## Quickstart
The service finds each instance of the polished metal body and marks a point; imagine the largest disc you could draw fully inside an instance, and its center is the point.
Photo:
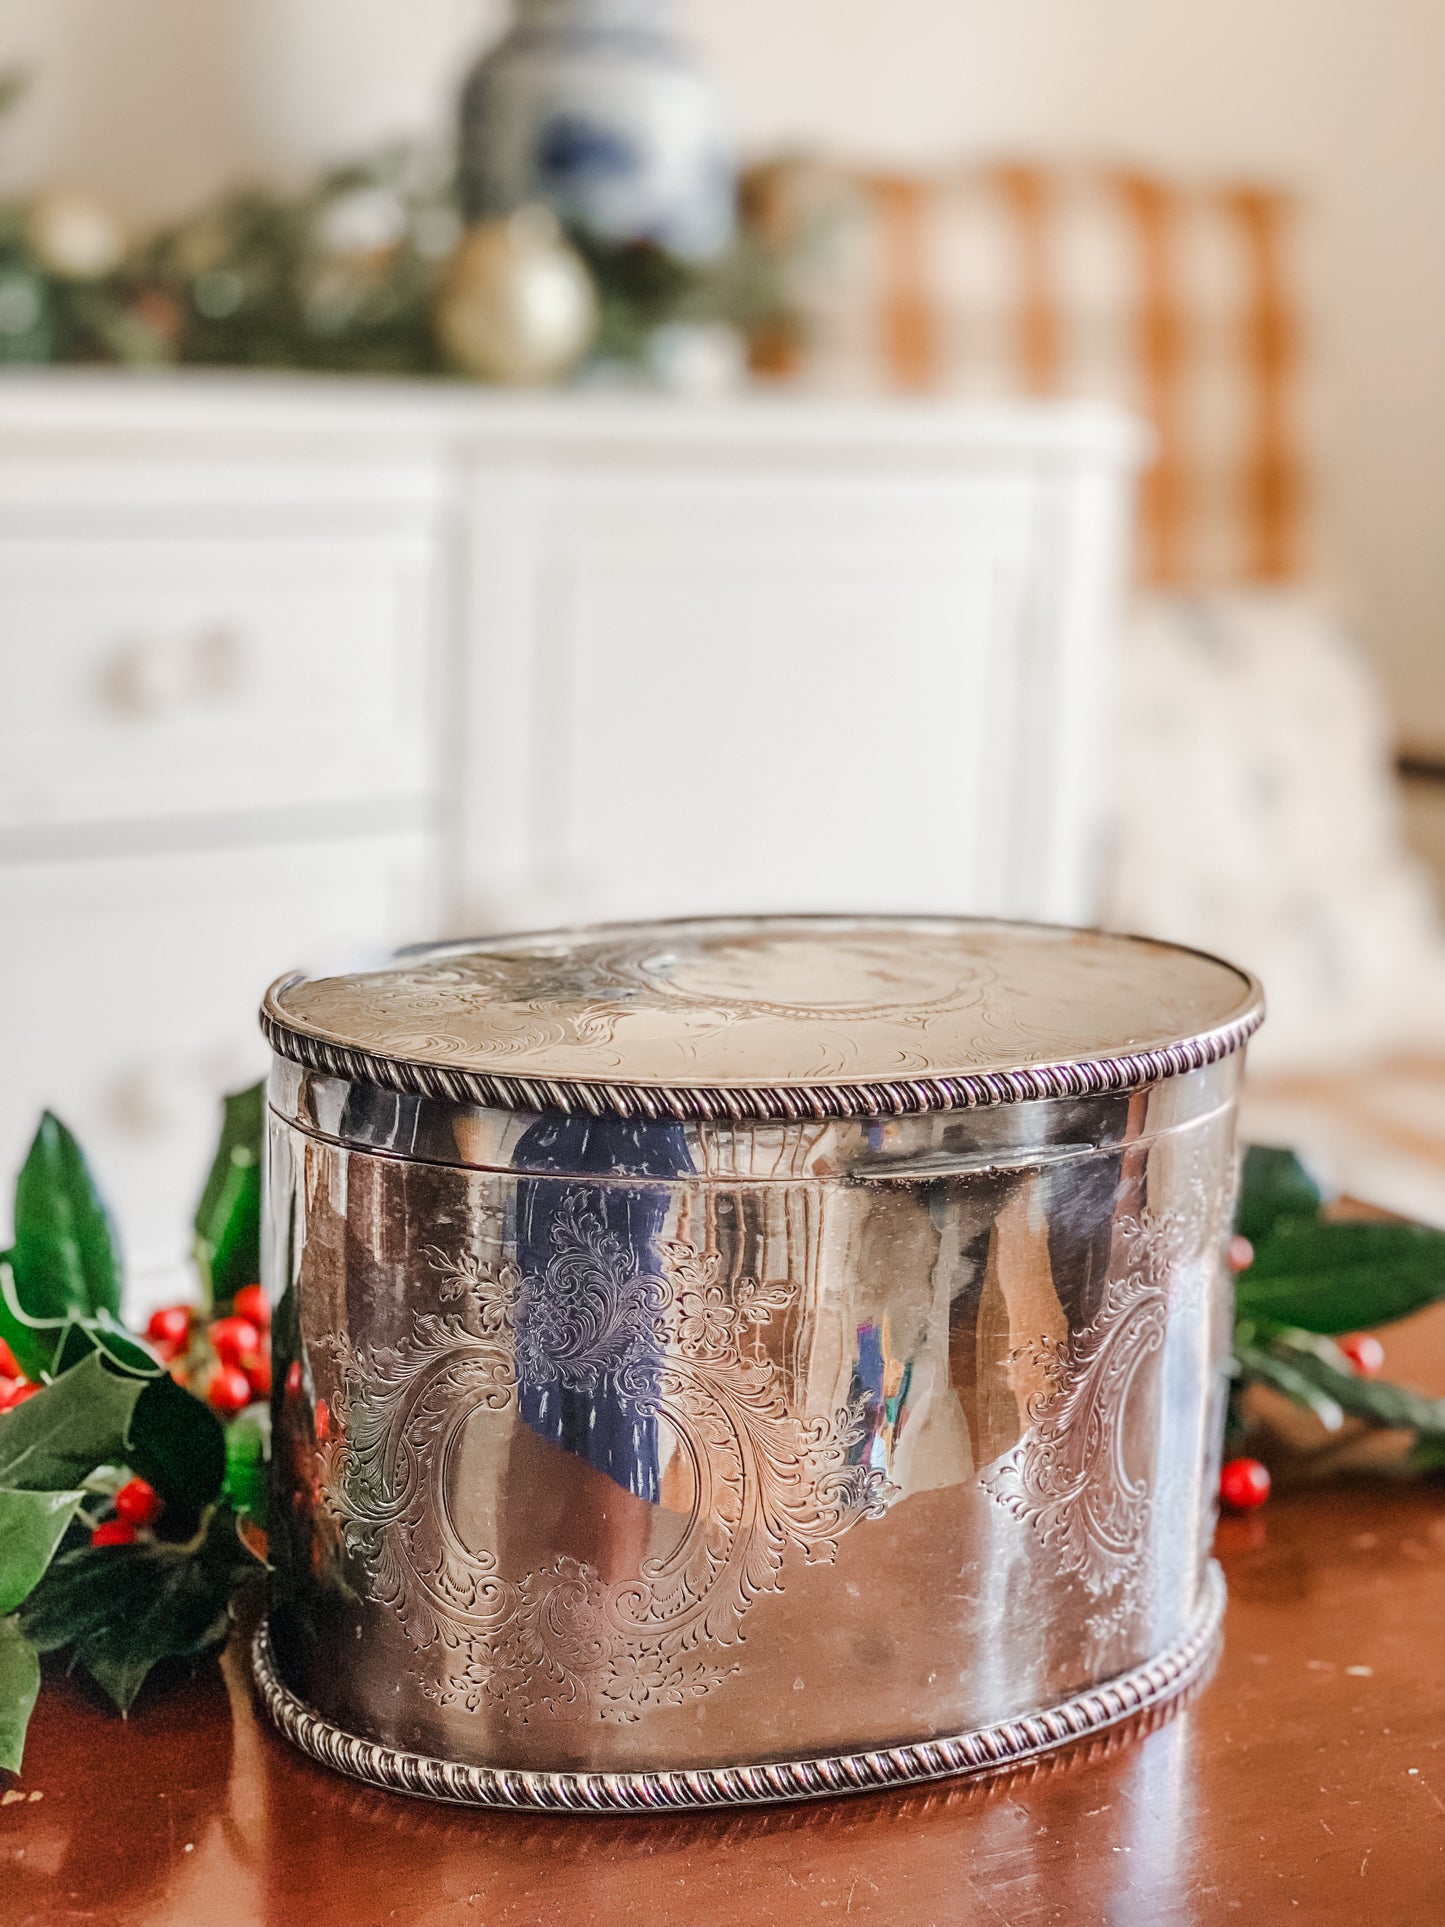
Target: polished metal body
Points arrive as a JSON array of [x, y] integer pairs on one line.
[[655, 1448]]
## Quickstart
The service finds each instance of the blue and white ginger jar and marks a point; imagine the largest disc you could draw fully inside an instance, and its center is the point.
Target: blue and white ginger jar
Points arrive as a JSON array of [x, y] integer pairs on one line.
[[598, 109]]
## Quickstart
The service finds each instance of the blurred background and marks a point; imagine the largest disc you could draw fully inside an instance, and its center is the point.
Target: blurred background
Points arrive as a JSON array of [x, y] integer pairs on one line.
[[466, 468]]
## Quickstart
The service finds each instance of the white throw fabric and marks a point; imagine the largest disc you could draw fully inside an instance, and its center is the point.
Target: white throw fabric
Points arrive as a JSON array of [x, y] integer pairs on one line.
[[1255, 813]]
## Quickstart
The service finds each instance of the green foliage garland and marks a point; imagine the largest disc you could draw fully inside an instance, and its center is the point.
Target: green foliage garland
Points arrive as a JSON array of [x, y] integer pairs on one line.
[[342, 275]]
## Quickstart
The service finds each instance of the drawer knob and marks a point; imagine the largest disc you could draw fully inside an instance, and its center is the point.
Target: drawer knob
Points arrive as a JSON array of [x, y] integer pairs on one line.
[[203, 670]]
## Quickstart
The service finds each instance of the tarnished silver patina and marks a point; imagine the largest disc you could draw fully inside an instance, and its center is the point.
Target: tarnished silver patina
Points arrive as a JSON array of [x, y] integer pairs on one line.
[[739, 1361]]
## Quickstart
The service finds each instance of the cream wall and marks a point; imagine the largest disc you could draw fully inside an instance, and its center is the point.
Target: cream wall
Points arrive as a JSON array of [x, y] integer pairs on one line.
[[157, 101]]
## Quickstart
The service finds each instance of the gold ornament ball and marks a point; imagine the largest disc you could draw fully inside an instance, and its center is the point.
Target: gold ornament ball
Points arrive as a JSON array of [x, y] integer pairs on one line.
[[74, 235], [517, 305]]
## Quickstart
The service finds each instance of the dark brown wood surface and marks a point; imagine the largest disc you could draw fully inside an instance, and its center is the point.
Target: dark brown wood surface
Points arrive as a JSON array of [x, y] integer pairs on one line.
[[1305, 1782]]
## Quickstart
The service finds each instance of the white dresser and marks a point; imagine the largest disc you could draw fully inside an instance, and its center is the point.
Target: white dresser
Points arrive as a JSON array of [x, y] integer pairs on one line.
[[291, 670]]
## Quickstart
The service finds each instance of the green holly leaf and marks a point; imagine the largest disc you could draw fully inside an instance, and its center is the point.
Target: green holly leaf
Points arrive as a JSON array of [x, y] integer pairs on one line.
[[1274, 1185], [50, 1346], [228, 1217], [64, 1254], [54, 1441], [102, 1333], [19, 1689], [1375, 1400], [95, 1415], [177, 1442], [248, 1457], [124, 1609], [32, 1525], [1335, 1278], [63, 1261], [1285, 1375]]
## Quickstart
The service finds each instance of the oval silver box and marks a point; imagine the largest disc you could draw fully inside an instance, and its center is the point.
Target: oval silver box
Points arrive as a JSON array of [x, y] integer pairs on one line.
[[740, 1361]]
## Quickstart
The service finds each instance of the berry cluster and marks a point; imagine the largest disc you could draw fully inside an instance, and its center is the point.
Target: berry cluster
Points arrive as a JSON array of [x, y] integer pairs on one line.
[[227, 1361], [138, 1506]]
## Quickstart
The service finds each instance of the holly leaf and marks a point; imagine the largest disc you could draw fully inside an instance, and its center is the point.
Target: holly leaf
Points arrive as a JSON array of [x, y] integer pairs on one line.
[[248, 1455], [104, 1334], [1335, 1278], [64, 1263], [176, 1442], [64, 1256], [1285, 1375], [228, 1217], [32, 1524], [49, 1346], [1274, 1185], [95, 1415], [54, 1441], [124, 1609], [1375, 1400], [19, 1689]]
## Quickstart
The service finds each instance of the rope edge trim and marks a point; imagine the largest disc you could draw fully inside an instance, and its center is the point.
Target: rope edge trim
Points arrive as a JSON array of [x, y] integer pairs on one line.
[[769, 1104], [985, 1749]]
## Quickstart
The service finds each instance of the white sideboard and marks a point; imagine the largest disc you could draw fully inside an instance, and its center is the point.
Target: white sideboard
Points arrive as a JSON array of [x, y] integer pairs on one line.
[[291, 671]]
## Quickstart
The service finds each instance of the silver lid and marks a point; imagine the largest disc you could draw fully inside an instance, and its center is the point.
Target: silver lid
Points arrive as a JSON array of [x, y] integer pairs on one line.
[[771, 1017]]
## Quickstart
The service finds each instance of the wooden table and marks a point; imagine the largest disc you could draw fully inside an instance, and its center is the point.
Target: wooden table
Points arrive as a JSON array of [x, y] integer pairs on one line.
[[1305, 1783]]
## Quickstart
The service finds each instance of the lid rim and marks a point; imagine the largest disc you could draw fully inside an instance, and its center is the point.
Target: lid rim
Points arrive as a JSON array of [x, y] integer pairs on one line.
[[778, 1092], [1102, 1076]]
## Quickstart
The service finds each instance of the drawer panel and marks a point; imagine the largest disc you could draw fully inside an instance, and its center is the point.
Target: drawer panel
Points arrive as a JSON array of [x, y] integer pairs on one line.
[[156, 677], [132, 986]]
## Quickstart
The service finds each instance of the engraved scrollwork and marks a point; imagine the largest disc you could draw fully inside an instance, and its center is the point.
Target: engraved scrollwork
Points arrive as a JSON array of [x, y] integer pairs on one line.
[[562, 1638], [1069, 1477]]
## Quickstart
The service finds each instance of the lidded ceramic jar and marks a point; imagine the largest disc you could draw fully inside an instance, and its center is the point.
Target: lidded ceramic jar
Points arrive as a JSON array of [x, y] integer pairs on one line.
[[598, 110], [736, 1361]]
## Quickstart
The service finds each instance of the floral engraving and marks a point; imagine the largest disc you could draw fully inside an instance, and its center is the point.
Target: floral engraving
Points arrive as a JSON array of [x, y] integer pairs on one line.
[[562, 1639], [1070, 1477], [500, 1003]]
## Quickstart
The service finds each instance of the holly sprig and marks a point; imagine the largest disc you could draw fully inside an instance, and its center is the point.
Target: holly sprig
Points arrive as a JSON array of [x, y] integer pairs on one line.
[[1309, 1283], [121, 1490]]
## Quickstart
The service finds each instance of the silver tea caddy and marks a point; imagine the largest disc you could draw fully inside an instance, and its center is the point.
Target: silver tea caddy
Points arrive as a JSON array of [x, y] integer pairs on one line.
[[738, 1361]]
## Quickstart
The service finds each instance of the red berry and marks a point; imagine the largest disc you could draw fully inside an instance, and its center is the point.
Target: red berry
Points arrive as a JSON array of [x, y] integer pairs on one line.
[[1241, 1254], [293, 1378], [138, 1503], [232, 1338], [9, 1365], [257, 1367], [171, 1325], [251, 1302], [15, 1392], [323, 1420], [114, 1532], [1244, 1484], [229, 1390], [1365, 1353]]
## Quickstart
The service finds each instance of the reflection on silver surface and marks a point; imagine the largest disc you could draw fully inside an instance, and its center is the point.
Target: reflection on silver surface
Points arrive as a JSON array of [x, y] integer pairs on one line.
[[1127, 1705], [727, 1444], [621, 1447]]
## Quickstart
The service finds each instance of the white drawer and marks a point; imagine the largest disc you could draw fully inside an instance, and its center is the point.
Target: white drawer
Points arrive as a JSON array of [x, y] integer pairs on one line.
[[131, 987], [162, 676]]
